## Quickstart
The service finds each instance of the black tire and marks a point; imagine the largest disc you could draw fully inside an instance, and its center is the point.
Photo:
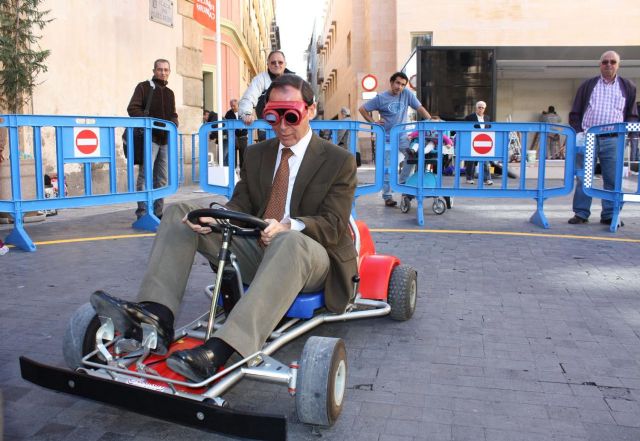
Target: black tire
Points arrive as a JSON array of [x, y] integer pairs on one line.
[[79, 338], [403, 292], [405, 204], [322, 381], [439, 206]]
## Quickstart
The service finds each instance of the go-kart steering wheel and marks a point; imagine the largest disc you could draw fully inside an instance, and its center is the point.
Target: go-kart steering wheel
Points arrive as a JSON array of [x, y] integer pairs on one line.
[[253, 224]]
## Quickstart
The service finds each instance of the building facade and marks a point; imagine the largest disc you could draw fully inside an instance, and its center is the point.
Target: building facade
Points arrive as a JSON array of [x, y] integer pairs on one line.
[[544, 49], [101, 50]]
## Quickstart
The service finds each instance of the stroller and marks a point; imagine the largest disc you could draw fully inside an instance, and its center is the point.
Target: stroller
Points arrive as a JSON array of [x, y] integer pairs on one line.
[[440, 204]]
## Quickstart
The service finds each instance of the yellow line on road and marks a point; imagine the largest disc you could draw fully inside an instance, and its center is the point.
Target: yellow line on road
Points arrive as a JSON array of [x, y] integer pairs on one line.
[[95, 238], [505, 233], [375, 230]]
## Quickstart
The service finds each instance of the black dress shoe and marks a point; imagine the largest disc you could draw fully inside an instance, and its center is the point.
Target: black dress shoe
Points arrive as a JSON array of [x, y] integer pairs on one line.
[[608, 222], [576, 220], [128, 316], [196, 364]]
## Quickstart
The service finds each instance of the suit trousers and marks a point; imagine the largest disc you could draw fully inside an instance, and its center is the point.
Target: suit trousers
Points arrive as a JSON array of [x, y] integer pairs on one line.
[[290, 264]]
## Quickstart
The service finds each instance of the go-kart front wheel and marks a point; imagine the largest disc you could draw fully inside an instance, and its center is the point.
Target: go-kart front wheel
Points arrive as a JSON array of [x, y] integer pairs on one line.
[[322, 381], [403, 292], [80, 337]]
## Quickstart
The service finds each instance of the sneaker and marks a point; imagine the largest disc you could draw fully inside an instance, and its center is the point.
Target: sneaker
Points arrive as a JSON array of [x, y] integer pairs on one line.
[[390, 203], [579, 220], [608, 222], [470, 181], [4, 250], [488, 182]]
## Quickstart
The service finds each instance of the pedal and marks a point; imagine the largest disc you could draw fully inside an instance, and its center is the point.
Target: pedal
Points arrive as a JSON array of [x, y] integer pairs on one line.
[[105, 332], [127, 345], [149, 336]]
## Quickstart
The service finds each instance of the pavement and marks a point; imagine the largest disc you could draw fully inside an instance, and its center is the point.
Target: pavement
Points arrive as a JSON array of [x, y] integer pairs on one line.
[[520, 333]]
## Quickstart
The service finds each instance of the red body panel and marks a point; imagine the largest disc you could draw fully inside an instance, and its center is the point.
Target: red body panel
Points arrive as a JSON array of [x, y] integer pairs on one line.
[[367, 247], [157, 363], [375, 272]]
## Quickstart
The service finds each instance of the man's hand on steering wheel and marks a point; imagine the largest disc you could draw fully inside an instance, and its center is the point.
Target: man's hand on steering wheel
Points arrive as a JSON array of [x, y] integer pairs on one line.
[[274, 228], [197, 228]]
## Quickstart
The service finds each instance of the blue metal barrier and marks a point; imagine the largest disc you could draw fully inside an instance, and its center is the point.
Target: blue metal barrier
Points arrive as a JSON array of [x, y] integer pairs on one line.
[[221, 179], [474, 143], [617, 195], [87, 142], [181, 158]]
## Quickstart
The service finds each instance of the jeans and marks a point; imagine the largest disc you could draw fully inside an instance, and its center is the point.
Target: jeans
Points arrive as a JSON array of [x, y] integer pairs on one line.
[[605, 152], [405, 171], [470, 170], [159, 167]]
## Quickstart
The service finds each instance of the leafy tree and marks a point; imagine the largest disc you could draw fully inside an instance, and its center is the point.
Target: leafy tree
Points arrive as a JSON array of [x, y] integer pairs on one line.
[[21, 58]]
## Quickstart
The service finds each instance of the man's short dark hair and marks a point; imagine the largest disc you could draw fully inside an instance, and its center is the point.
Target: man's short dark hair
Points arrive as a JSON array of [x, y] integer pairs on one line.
[[297, 83], [161, 60], [551, 109], [399, 75]]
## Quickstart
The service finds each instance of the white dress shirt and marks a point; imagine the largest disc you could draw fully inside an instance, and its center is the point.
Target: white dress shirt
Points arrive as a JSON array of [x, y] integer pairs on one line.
[[295, 160]]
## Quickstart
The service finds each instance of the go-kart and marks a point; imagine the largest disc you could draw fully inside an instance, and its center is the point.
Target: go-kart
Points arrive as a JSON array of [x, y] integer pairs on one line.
[[125, 372]]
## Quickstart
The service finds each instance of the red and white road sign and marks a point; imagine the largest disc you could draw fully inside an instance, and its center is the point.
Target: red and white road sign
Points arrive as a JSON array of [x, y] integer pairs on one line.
[[87, 142], [369, 82], [483, 144]]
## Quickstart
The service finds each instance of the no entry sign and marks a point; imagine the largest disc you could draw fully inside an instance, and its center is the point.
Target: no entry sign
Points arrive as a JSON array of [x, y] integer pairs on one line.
[[483, 144], [86, 142]]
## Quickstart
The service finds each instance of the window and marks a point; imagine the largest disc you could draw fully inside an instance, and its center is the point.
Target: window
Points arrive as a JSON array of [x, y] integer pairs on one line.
[[349, 49], [421, 39]]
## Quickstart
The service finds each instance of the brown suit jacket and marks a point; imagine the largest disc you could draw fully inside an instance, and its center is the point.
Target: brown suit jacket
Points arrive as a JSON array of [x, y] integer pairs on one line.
[[322, 198]]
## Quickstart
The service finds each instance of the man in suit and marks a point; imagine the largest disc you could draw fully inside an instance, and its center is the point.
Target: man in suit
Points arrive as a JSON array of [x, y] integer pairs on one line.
[[306, 247], [241, 134], [470, 166]]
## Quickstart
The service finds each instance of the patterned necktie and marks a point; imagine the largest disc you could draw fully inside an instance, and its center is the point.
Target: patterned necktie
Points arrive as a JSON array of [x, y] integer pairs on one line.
[[278, 197]]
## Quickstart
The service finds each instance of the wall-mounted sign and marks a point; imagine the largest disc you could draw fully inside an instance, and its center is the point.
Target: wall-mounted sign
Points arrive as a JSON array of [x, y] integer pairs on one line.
[[369, 82], [161, 11]]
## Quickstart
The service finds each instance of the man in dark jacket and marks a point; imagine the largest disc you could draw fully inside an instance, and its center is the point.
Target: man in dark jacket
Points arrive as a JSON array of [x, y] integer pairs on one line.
[[605, 99], [163, 106], [241, 134], [470, 166]]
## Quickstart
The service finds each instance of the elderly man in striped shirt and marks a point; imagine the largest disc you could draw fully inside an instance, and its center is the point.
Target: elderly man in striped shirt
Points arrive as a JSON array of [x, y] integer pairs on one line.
[[605, 99]]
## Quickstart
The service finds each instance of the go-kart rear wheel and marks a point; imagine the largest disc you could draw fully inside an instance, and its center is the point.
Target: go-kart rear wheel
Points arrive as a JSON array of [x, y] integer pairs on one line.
[[403, 292], [80, 337], [322, 381], [439, 206], [405, 204]]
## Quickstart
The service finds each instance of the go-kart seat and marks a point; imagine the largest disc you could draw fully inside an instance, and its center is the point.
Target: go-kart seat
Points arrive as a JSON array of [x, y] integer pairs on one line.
[[306, 304]]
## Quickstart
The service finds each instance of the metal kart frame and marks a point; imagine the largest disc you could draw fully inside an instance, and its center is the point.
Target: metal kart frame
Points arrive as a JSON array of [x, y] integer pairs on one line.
[[119, 374]]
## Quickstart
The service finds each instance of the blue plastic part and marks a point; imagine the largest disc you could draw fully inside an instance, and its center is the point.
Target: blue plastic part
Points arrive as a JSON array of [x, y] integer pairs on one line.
[[305, 305]]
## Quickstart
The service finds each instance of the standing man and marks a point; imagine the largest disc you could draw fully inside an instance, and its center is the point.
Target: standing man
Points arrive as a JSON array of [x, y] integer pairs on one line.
[[163, 106], [241, 134], [392, 106], [254, 96], [470, 166], [344, 136], [303, 187], [554, 150], [605, 99]]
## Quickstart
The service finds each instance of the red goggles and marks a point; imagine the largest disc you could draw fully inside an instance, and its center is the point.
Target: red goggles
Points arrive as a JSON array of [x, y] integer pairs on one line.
[[291, 111]]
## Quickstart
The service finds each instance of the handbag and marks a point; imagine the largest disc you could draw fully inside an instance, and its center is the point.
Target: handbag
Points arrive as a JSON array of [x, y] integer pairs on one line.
[[138, 134]]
